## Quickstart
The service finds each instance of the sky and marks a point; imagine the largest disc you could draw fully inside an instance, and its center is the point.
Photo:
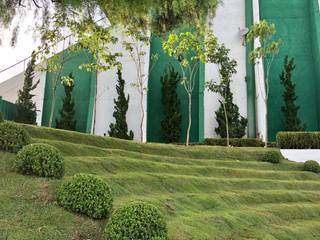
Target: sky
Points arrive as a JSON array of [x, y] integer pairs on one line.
[[25, 45]]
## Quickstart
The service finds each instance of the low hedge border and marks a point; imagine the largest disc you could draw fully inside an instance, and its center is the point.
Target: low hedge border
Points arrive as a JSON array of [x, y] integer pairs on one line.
[[298, 140], [235, 142]]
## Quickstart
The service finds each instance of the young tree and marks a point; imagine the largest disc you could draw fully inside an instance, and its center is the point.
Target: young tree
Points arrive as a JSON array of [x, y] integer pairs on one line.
[[119, 129], [95, 39], [264, 53], [231, 124], [290, 110], [26, 108], [188, 49], [67, 113], [135, 44], [171, 123]]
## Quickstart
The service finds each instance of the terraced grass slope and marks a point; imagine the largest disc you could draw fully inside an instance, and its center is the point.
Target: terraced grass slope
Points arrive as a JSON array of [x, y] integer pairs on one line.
[[205, 192]]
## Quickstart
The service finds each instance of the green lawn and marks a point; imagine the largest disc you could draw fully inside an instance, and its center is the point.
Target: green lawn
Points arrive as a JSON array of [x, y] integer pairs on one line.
[[204, 192]]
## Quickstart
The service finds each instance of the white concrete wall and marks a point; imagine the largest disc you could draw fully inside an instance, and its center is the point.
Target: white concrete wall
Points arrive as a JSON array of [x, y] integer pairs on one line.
[[106, 92], [9, 90], [230, 17]]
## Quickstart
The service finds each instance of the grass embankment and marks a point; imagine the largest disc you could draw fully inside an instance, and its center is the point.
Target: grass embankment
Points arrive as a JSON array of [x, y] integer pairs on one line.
[[205, 192]]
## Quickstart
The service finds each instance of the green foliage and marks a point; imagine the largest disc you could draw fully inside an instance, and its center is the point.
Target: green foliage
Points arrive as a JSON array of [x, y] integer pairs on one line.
[[86, 194], [265, 53], [136, 220], [235, 142], [171, 123], [237, 124], [311, 166], [188, 49], [290, 109], [67, 113], [298, 140], [271, 156], [231, 123], [1, 117], [26, 108], [119, 129], [41, 160], [13, 137]]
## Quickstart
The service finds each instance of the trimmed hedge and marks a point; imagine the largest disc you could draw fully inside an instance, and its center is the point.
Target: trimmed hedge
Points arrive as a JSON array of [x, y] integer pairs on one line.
[[137, 220], [271, 156], [298, 140], [86, 194], [235, 142], [311, 166], [41, 160], [13, 137], [1, 117]]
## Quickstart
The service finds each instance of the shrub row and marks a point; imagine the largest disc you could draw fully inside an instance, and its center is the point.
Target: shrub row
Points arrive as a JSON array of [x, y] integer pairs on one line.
[[298, 140], [235, 142]]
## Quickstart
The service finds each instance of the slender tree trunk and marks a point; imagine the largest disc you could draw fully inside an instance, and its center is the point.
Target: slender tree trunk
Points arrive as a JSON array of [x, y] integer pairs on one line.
[[190, 119], [266, 119], [53, 104], [227, 123], [142, 115]]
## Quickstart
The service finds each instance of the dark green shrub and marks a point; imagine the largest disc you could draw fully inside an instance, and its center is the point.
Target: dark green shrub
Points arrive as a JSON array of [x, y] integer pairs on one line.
[[298, 140], [86, 194], [235, 142], [311, 166], [137, 220], [271, 156], [40, 160], [12, 137], [1, 117]]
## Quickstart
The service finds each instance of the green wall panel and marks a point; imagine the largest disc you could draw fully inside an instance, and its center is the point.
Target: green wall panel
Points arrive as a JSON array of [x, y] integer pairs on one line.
[[250, 78], [315, 34], [154, 106], [83, 92], [8, 109], [294, 27]]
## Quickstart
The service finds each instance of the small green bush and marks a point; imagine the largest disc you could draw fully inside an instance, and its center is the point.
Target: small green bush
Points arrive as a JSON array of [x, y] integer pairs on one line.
[[311, 166], [86, 194], [13, 137], [271, 156], [137, 220], [235, 142], [298, 140], [40, 160]]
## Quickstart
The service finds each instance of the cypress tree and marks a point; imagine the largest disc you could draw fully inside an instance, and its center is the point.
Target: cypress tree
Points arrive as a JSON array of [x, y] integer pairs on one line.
[[1, 117], [290, 110], [119, 129], [171, 123], [26, 108], [67, 113], [237, 124]]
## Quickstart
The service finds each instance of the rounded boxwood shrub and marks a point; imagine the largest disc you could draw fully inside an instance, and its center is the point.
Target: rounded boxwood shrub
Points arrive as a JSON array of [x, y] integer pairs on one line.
[[311, 166], [271, 156], [136, 220], [86, 194], [13, 137], [41, 160]]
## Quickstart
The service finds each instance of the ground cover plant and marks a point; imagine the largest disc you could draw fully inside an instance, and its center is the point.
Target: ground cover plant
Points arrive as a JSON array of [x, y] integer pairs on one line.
[[203, 192]]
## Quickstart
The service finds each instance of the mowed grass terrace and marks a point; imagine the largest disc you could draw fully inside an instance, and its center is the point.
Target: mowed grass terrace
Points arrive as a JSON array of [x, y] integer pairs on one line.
[[204, 192]]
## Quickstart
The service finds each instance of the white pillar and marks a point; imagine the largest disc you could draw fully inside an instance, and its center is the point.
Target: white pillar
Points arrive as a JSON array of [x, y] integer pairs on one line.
[[259, 81]]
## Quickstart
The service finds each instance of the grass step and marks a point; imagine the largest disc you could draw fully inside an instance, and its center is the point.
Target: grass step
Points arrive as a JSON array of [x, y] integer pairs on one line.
[[118, 164]]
